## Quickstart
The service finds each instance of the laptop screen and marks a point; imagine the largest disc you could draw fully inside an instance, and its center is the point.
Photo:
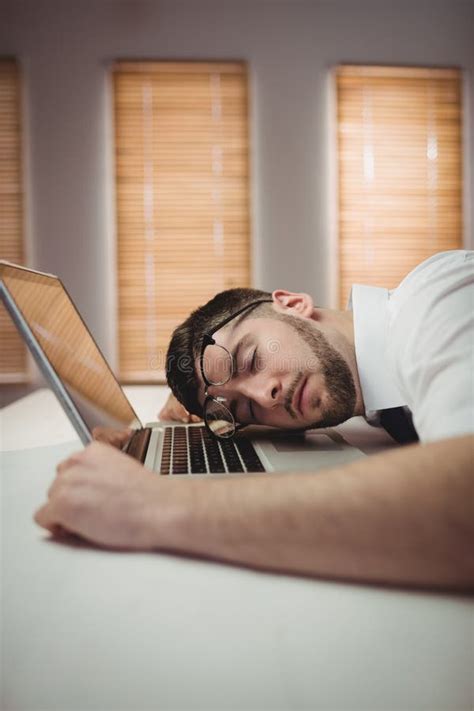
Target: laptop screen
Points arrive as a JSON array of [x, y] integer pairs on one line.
[[69, 347]]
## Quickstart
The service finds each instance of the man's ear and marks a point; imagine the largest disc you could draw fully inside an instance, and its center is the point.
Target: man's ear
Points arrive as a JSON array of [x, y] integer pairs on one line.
[[290, 302]]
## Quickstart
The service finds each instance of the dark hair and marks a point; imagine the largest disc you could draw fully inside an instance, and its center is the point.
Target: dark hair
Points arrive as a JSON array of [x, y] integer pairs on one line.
[[186, 341]]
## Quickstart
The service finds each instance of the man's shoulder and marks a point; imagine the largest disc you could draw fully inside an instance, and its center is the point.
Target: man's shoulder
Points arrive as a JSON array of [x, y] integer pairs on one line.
[[433, 280], [430, 343], [439, 288], [440, 266]]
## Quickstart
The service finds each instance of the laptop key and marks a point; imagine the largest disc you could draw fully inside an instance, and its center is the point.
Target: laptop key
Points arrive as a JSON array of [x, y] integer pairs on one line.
[[249, 455], [198, 462], [214, 457], [166, 453], [180, 466], [231, 457]]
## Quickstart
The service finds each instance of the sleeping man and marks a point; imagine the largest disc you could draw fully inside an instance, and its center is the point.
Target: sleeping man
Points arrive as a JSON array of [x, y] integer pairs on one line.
[[403, 357]]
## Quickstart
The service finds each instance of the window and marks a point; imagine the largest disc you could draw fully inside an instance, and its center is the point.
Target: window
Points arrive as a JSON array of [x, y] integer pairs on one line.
[[13, 362], [400, 170], [182, 194]]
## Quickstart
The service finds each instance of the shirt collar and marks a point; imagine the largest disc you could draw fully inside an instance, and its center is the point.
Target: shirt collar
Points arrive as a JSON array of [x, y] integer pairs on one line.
[[370, 307]]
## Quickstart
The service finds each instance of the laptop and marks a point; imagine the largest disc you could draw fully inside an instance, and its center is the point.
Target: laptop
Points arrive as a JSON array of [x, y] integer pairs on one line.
[[76, 370]]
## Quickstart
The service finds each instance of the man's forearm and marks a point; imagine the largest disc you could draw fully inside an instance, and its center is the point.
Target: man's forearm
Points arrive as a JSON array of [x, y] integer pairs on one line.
[[404, 517]]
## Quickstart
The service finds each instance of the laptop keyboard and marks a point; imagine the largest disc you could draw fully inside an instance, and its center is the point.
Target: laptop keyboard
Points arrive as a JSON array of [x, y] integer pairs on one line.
[[194, 450]]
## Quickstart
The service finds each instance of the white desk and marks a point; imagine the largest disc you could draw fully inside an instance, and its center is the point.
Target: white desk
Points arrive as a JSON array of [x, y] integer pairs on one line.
[[90, 629]]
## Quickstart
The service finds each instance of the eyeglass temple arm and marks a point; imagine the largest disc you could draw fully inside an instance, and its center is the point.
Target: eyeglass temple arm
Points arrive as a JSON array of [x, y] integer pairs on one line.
[[237, 313]]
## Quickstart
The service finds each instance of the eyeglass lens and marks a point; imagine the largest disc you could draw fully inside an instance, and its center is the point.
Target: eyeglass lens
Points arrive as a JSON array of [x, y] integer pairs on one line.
[[217, 364], [219, 419]]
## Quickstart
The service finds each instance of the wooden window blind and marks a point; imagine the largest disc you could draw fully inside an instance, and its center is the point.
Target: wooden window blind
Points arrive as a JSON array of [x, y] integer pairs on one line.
[[13, 361], [400, 170], [182, 196]]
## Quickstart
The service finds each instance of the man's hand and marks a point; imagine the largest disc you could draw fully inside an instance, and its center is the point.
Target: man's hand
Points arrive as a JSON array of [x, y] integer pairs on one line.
[[173, 410], [105, 497]]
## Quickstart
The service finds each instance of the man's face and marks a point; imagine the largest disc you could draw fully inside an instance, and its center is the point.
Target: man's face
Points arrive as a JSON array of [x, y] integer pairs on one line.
[[287, 374]]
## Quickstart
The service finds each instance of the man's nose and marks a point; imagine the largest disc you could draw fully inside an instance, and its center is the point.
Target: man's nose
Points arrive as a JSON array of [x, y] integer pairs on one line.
[[265, 391], [262, 388]]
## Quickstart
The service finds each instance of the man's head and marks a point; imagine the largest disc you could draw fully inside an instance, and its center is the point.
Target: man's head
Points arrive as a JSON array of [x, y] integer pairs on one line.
[[294, 364]]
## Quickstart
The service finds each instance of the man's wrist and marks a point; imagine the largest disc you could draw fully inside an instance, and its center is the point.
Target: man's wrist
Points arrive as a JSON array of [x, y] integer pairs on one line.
[[167, 512]]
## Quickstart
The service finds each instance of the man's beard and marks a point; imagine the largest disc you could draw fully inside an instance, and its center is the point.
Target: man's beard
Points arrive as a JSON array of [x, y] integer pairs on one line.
[[337, 375]]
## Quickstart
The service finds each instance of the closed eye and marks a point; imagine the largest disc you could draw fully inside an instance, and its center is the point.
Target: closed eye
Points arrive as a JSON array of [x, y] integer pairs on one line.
[[252, 415], [252, 370], [253, 361]]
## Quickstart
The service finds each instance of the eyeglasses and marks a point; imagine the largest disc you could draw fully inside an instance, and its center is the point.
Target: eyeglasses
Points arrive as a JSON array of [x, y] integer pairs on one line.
[[217, 368]]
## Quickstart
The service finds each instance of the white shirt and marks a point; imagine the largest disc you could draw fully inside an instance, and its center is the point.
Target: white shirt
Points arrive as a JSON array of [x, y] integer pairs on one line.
[[415, 345]]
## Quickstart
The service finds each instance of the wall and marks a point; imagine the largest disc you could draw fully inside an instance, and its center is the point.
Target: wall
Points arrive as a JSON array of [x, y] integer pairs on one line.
[[65, 48]]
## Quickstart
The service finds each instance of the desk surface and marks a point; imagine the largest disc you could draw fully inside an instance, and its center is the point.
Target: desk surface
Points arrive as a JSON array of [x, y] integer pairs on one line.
[[89, 629]]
